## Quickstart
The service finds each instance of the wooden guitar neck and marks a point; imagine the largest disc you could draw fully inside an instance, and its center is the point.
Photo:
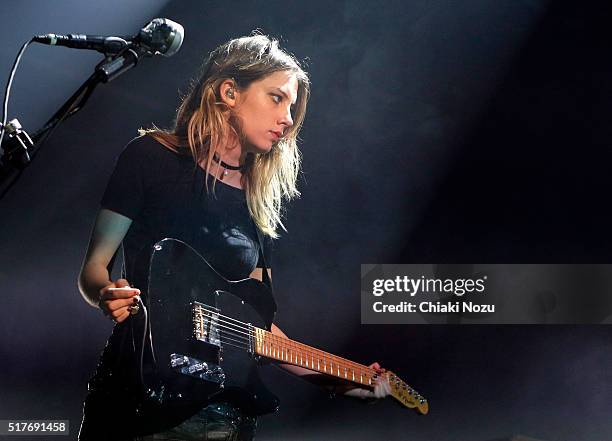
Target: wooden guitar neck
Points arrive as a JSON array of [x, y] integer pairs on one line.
[[289, 351]]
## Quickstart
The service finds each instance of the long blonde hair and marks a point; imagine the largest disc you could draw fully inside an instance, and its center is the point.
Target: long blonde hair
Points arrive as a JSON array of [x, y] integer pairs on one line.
[[199, 126]]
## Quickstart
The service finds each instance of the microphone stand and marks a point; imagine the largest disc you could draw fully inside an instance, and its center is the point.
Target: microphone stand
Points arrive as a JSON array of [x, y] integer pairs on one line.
[[19, 149]]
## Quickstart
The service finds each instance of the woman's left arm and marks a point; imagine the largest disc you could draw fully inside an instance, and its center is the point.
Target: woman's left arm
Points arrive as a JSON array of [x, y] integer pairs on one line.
[[380, 390]]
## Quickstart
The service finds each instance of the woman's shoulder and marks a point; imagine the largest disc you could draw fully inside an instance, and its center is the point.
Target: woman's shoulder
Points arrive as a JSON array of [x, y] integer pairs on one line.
[[150, 155], [146, 146]]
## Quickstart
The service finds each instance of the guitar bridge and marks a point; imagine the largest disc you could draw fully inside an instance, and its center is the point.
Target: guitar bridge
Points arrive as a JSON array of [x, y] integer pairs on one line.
[[206, 323]]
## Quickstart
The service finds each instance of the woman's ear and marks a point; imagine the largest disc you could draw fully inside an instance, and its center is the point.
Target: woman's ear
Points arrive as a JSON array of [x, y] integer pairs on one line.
[[229, 93]]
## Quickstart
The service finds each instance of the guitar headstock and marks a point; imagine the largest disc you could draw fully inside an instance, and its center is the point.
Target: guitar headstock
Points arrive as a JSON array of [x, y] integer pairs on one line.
[[406, 395]]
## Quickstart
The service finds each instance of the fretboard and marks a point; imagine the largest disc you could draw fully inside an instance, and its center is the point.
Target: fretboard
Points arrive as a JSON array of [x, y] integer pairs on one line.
[[292, 352]]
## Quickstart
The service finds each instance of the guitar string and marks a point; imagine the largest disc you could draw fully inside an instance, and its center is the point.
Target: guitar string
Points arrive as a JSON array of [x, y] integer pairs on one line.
[[246, 330], [231, 344], [242, 344], [348, 364], [276, 339], [404, 385], [224, 340], [230, 335], [203, 306]]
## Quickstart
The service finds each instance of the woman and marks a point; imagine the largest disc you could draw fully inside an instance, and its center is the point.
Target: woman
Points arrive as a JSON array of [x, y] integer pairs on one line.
[[212, 181]]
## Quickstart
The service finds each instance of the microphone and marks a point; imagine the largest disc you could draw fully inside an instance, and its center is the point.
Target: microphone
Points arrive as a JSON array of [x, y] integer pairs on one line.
[[161, 36], [107, 45]]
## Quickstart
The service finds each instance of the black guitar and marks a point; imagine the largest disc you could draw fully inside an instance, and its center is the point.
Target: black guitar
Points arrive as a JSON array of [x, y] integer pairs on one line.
[[204, 337]]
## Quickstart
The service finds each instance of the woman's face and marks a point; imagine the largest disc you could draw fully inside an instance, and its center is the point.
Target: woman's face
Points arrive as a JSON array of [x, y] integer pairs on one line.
[[264, 110]]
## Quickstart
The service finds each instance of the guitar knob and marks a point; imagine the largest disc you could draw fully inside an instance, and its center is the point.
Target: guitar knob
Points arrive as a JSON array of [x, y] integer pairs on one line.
[[197, 368], [178, 361]]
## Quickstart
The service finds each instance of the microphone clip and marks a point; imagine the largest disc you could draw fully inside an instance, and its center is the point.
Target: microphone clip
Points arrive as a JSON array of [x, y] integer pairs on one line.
[[16, 146]]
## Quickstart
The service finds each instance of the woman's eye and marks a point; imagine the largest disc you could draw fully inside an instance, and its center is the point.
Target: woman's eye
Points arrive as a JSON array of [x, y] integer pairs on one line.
[[277, 98]]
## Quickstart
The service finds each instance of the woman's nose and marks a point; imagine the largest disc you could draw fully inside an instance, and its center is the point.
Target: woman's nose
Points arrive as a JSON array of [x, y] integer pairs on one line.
[[286, 119]]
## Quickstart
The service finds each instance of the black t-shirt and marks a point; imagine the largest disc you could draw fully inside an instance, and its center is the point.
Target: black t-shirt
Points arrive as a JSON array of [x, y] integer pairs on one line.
[[164, 194]]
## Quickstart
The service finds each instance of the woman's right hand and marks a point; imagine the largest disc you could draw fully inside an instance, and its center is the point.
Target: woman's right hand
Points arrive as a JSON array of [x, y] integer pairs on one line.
[[117, 298]]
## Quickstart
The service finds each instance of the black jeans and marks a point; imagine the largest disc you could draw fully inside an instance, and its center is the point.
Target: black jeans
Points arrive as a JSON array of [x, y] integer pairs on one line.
[[216, 422]]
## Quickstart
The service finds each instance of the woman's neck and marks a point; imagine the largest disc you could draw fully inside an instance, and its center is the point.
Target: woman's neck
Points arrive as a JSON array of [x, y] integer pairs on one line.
[[232, 152], [233, 156]]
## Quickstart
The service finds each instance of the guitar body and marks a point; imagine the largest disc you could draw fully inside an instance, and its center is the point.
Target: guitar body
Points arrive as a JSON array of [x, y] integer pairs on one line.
[[197, 342]]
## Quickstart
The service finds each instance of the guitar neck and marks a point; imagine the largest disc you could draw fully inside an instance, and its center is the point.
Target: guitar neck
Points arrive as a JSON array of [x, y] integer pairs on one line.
[[289, 351], [284, 350]]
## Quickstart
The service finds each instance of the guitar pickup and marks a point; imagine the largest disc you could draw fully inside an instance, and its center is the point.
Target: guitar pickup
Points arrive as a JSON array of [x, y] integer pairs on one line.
[[206, 323]]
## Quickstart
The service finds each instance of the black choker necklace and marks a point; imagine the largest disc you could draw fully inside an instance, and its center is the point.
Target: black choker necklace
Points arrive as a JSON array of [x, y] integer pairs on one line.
[[227, 166]]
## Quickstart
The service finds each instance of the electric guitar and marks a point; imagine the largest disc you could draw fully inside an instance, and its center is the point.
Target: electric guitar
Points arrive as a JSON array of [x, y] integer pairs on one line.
[[203, 338]]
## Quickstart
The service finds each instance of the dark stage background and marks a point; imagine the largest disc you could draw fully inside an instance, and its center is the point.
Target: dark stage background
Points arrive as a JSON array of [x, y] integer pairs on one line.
[[438, 131]]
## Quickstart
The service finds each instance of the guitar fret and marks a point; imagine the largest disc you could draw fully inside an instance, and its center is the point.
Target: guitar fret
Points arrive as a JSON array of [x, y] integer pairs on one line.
[[298, 354]]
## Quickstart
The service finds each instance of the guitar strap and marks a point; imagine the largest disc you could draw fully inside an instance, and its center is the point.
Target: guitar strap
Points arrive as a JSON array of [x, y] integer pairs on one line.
[[265, 277]]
